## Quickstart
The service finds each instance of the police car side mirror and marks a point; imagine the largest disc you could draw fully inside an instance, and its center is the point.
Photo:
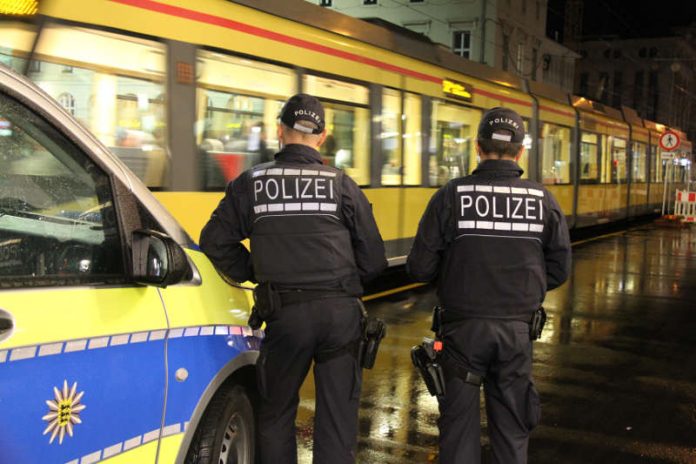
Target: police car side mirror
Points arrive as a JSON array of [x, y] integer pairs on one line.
[[157, 259]]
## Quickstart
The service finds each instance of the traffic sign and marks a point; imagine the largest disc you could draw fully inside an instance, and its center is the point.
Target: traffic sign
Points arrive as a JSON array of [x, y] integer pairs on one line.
[[669, 141]]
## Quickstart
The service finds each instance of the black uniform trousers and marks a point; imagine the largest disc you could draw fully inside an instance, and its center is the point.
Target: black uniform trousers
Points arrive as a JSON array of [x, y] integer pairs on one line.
[[294, 336], [501, 351]]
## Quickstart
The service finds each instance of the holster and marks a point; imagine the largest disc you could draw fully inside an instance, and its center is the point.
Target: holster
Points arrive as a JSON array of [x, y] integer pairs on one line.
[[425, 359], [436, 325], [365, 348], [266, 302], [536, 325], [374, 330]]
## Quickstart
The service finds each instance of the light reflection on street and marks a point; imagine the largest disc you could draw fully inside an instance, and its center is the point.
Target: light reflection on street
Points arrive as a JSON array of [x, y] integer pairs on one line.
[[610, 366]]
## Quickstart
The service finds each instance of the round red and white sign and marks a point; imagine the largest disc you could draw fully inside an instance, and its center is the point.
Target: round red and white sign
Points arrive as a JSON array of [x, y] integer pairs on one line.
[[669, 141]]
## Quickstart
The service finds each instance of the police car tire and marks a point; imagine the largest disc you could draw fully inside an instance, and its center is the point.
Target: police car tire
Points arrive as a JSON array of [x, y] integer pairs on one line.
[[230, 411]]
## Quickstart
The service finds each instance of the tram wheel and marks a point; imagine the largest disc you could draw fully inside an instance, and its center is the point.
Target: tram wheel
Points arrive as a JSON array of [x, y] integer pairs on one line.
[[226, 434]]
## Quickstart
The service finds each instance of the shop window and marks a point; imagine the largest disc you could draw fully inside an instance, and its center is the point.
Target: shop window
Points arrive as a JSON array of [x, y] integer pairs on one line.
[[554, 151]]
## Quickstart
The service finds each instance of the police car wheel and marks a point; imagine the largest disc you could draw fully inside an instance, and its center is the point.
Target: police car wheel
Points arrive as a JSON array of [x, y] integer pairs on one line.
[[226, 432]]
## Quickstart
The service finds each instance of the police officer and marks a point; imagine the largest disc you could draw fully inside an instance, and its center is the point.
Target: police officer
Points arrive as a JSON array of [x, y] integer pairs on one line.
[[495, 244], [314, 242]]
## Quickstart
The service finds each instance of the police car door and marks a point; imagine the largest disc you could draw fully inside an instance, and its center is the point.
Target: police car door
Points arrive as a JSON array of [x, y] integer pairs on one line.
[[82, 372]]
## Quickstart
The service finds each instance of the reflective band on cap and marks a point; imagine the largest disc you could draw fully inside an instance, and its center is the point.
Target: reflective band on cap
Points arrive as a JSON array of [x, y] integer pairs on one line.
[[504, 138]]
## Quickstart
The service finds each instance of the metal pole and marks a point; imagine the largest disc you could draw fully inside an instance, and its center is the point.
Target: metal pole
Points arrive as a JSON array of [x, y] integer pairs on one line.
[[664, 192]]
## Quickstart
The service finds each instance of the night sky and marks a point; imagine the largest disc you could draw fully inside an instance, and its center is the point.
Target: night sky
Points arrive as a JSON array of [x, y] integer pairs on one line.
[[626, 18]]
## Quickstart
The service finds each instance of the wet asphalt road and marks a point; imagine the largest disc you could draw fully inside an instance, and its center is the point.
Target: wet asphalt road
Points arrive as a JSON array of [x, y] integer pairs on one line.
[[615, 368]]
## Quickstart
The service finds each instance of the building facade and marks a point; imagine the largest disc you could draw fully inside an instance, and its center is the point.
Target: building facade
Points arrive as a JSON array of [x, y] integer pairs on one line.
[[655, 76], [506, 34]]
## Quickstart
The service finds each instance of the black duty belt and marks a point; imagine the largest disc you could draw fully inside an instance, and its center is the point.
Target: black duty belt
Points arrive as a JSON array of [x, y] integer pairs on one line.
[[288, 297]]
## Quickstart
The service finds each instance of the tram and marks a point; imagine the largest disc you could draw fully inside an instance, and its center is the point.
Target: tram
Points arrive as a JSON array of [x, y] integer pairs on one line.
[[187, 94]]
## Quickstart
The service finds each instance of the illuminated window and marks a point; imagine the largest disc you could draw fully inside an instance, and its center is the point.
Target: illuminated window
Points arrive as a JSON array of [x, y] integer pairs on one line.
[[391, 137], [114, 85], [452, 142], [589, 158], [238, 102], [412, 139], [655, 165], [554, 151], [461, 43], [346, 107], [401, 138], [619, 167], [639, 162]]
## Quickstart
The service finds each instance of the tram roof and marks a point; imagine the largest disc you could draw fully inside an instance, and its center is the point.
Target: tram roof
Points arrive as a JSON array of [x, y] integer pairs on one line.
[[312, 15]]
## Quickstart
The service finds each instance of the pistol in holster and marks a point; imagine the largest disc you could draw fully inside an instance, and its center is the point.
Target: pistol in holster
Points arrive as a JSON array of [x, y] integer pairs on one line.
[[266, 302], [426, 359], [436, 325], [373, 331], [536, 325]]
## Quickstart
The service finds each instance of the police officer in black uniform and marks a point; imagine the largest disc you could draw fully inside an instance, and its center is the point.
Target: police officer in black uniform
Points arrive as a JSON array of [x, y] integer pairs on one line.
[[494, 243], [314, 242]]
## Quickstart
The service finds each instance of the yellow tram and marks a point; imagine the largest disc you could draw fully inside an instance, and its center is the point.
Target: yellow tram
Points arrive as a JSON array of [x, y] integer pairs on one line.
[[187, 94]]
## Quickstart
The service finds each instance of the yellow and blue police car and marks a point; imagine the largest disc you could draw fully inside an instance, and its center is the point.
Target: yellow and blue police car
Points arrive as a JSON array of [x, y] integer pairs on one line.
[[119, 341]]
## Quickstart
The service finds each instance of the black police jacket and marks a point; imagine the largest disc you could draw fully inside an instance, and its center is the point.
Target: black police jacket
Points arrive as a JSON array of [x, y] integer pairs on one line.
[[495, 243], [310, 226]]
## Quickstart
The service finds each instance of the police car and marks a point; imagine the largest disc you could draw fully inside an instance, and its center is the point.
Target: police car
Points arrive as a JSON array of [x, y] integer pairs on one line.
[[119, 341]]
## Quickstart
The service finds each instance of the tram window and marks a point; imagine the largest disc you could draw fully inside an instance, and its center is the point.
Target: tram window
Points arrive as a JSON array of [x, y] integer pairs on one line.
[[412, 139], [117, 88], [655, 165], [238, 102], [452, 142], [16, 40], [391, 137], [619, 167], [401, 138], [57, 223], [554, 150], [589, 158], [523, 162], [639, 162], [347, 144]]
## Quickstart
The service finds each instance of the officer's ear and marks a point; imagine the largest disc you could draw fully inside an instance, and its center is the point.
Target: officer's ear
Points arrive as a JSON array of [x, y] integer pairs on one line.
[[519, 154], [321, 139]]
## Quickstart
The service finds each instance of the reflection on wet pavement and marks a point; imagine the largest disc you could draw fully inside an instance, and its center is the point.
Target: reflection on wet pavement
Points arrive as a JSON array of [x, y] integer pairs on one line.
[[616, 366]]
